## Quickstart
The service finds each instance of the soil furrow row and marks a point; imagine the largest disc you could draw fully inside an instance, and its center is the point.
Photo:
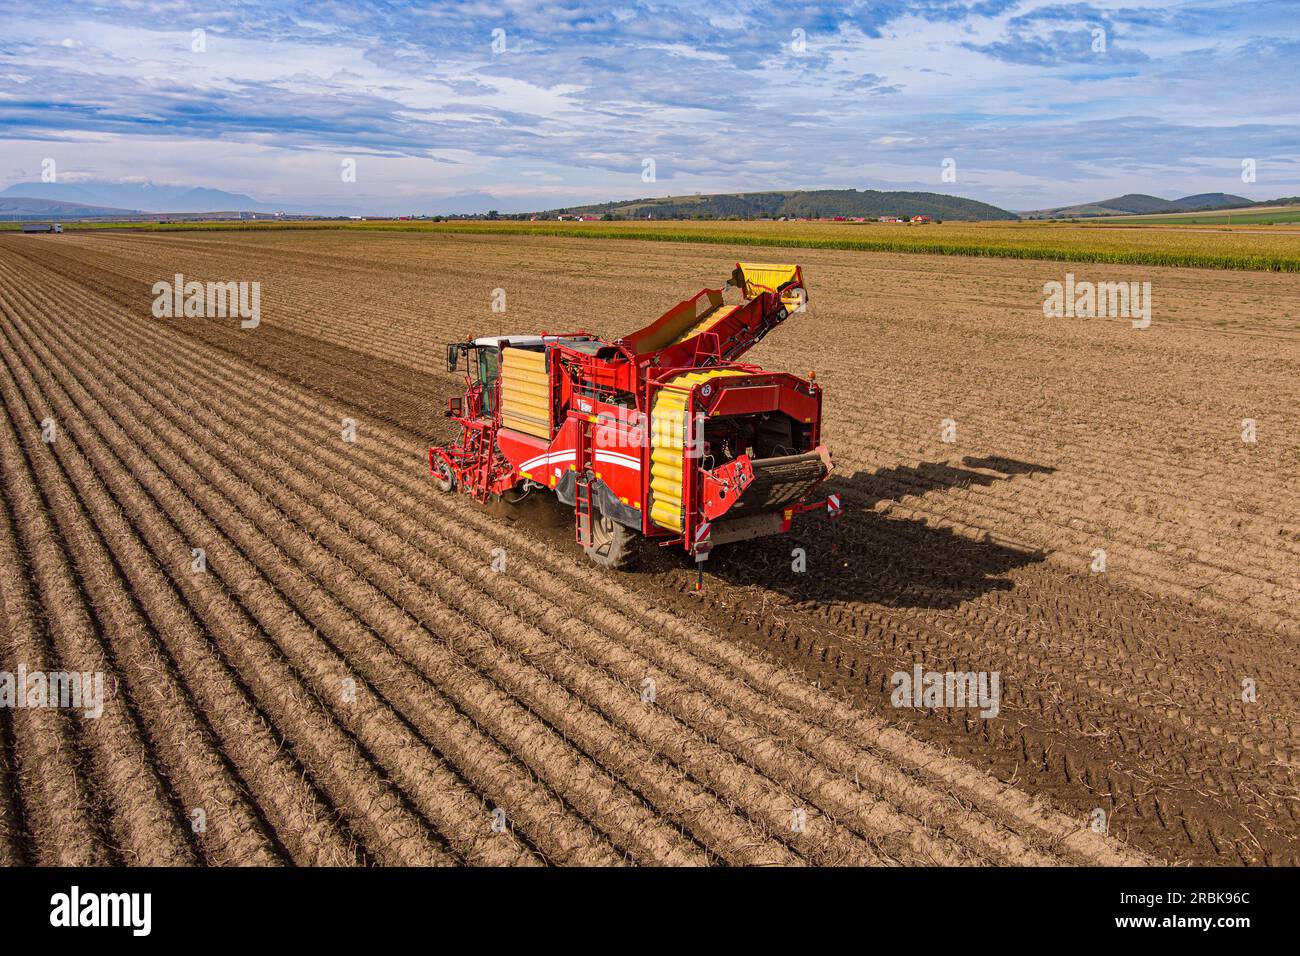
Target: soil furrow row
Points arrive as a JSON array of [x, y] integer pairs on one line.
[[302, 822], [472, 830], [408, 687], [143, 824], [392, 831], [187, 755], [49, 791]]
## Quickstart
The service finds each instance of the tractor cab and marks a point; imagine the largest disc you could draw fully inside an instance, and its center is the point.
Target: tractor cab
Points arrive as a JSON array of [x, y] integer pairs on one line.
[[486, 369], [482, 370]]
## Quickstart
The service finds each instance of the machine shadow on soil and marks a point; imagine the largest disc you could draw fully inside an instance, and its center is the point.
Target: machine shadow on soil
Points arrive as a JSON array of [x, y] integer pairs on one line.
[[869, 558], [876, 559]]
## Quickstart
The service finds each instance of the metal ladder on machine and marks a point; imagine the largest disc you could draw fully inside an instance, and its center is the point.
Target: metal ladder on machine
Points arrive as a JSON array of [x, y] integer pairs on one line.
[[582, 485]]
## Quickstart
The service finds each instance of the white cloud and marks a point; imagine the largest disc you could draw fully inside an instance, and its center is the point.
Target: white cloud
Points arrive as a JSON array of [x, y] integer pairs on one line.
[[713, 95]]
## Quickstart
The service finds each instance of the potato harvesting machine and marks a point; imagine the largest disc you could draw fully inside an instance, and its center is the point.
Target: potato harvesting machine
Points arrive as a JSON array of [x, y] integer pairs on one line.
[[661, 433]]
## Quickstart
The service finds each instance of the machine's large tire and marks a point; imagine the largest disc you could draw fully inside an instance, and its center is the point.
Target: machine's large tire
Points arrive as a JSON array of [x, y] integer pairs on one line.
[[442, 476], [612, 544]]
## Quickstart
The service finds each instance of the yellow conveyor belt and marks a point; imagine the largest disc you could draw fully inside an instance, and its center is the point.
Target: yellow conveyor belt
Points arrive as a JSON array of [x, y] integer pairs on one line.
[[706, 323], [525, 392], [669, 431]]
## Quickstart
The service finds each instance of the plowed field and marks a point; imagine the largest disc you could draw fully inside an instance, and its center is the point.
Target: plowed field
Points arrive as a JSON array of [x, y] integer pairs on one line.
[[352, 679]]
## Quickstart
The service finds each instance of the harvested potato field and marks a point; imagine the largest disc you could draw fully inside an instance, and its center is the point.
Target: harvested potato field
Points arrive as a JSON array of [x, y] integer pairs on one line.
[[313, 657]]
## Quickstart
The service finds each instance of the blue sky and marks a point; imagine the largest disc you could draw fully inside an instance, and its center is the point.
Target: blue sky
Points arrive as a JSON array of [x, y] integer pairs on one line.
[[546, 103]]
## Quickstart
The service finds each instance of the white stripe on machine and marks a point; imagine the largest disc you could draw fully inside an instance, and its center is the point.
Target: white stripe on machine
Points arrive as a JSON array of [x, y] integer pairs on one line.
[[617, 458], [548, 459]]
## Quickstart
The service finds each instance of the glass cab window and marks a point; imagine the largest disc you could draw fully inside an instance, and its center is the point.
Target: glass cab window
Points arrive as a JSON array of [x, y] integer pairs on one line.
[[487, 370]]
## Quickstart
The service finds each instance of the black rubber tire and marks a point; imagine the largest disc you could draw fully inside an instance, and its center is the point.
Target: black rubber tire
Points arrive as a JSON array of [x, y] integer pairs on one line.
[[442, 476], [612, 544]]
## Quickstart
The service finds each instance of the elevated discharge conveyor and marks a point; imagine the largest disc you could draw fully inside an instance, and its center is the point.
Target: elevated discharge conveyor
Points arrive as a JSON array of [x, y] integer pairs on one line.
[[675, 339], [734, 329]]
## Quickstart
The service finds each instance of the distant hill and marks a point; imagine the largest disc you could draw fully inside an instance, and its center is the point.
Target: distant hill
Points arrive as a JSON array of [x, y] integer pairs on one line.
[[794, 204], [1140, 204], [26, 207], [153, 198], [147, 197], [1207, 201]]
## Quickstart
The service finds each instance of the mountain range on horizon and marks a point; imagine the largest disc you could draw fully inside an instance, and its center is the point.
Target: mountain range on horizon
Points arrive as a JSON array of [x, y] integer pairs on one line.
[[1141, 204], [147, 197], [111, 198], [89, 198]]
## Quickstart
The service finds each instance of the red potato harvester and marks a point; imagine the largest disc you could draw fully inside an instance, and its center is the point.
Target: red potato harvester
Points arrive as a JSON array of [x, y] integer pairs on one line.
[[661, 433]]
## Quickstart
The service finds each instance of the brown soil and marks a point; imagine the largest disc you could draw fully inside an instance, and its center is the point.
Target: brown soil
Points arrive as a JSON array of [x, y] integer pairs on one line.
[[351, 682]]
